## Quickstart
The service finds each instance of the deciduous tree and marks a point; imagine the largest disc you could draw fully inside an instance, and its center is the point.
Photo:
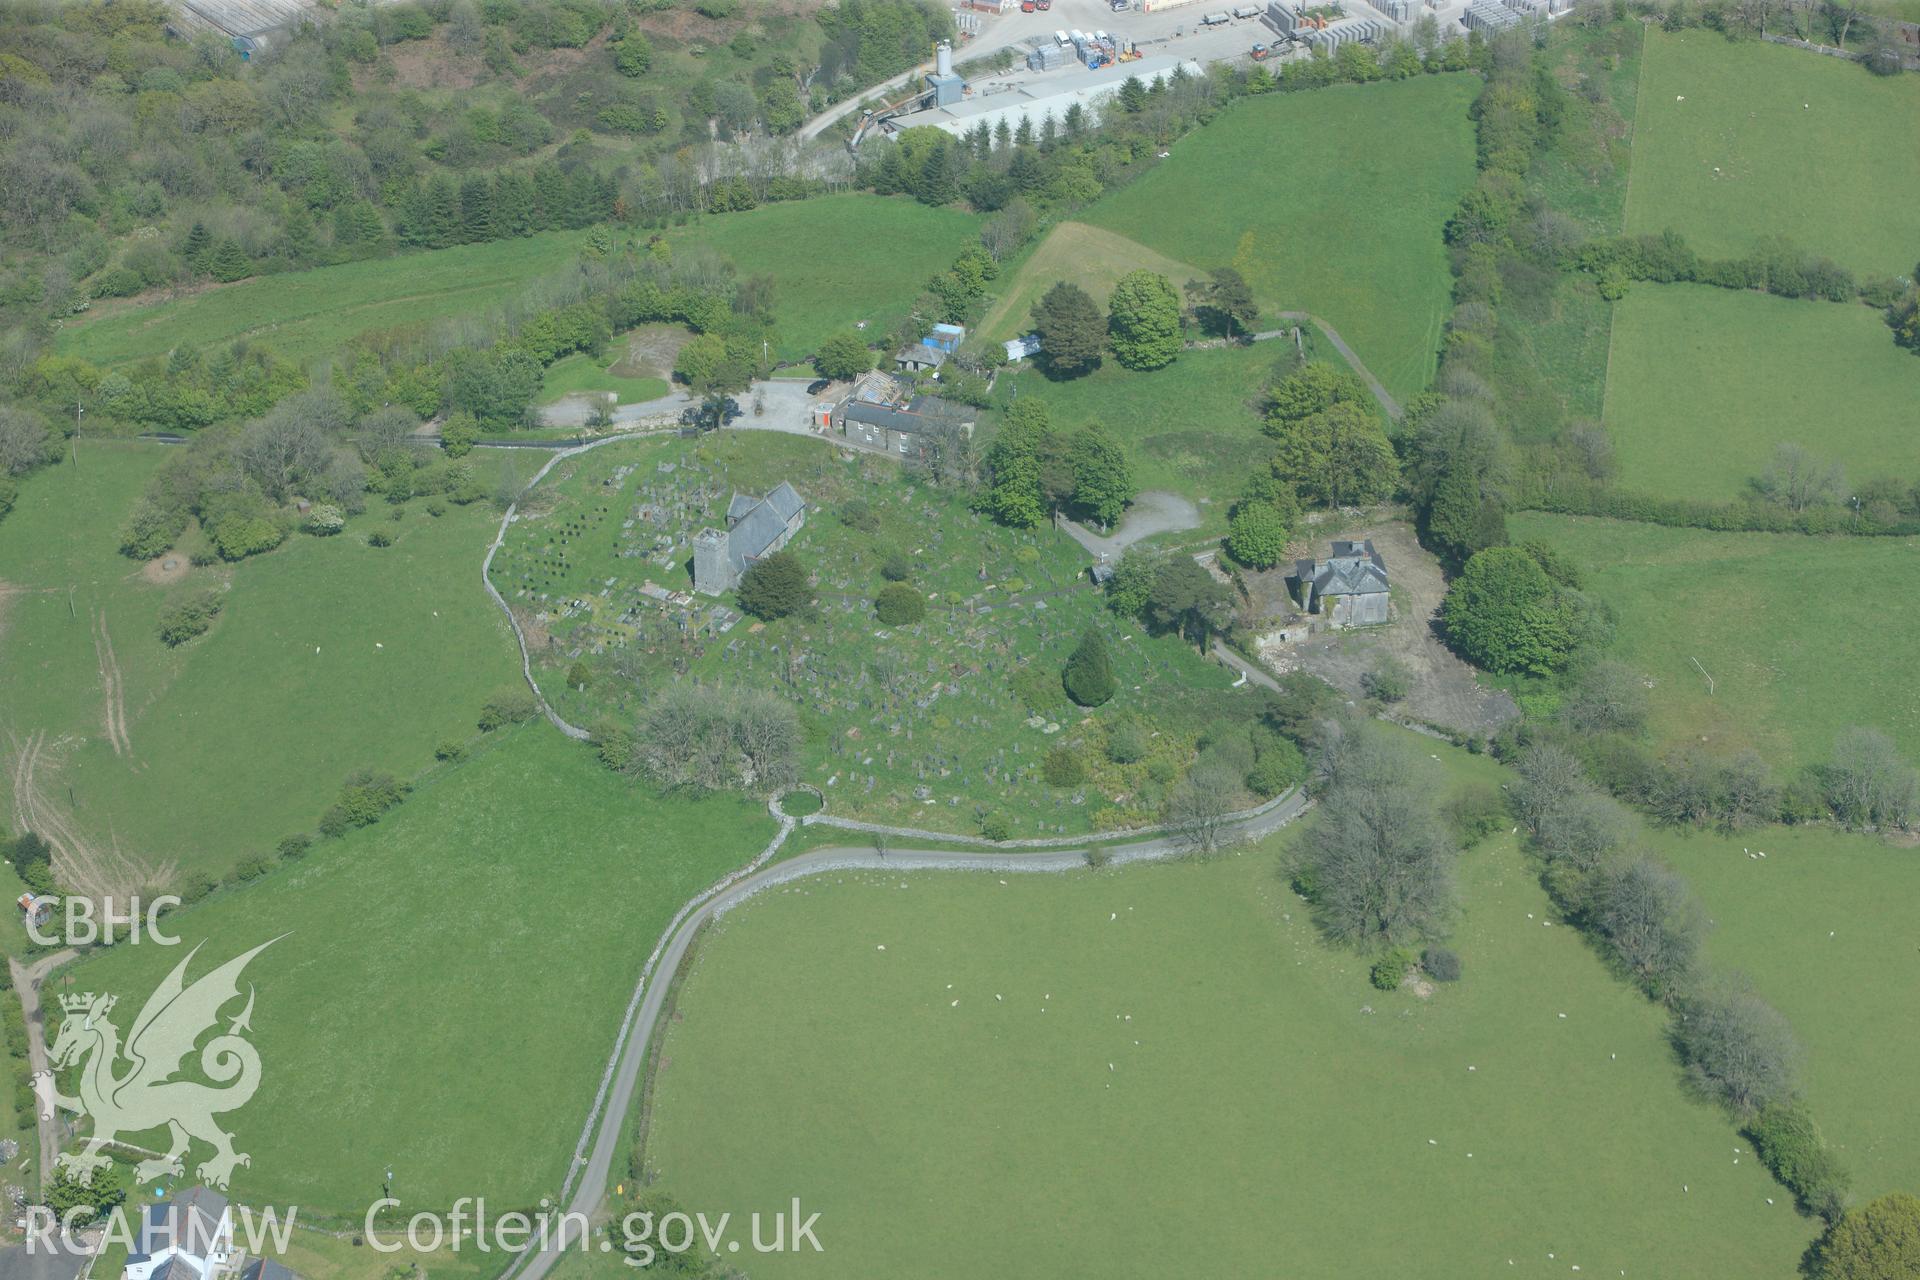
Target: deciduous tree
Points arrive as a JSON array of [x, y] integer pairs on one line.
[[1143, 321], [1102, 477]]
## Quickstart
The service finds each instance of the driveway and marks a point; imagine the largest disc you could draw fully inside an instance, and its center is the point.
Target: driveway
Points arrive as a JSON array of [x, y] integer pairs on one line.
[[1155, 511], [26, 982], [783, 406]]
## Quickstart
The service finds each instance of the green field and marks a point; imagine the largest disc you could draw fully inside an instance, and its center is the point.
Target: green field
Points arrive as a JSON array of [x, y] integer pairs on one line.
[[837, 260], [1735, 141], [1088, 256], [1192, 427], [1583, 171], [1764, 614], [308, 315], [1180, 1067], [582, 372], [924, 724], [1330, 202], [328, 655], [451, 979], [1823, 926], [1702, 384]]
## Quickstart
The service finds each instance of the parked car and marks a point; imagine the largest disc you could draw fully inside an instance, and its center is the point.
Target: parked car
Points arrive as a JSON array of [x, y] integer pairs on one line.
[[1260, 52], [818, 385]]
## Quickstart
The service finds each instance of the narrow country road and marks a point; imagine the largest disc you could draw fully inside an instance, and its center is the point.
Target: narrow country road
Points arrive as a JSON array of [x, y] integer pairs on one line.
[[630, 1055], [26, 981]]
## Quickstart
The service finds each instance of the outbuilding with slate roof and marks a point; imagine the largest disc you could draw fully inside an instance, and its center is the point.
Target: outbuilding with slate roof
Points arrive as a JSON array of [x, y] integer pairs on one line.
[[1348, 589]]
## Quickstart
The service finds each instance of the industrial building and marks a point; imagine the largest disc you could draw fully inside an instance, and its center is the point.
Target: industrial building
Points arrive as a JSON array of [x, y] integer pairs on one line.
[[1035, 102], [252, 25]]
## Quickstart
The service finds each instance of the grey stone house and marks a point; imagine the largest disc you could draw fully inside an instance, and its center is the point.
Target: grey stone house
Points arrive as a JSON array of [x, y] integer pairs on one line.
[[756, 528], [1348, 589], [883, 414]]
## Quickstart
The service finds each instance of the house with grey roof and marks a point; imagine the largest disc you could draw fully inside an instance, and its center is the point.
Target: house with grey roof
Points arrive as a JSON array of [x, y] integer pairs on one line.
[[756, 528], [189, 1237], [885, 412], [1348, 588]]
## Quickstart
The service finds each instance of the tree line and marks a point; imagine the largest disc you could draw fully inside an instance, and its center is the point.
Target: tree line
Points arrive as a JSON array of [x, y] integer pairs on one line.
[[137, 161]]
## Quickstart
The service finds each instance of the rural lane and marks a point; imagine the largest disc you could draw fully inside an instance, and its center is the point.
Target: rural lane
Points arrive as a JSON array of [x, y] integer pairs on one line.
[[1347, 353], [26, 981], [630, 1052]]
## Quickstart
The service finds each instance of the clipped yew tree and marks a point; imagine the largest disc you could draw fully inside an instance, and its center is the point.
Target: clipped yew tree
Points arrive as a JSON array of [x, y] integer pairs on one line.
[[899, 604], [1088, 675], [775, 587]]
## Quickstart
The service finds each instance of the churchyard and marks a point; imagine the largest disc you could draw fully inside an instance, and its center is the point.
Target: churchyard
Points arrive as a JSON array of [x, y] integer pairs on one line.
[[942, 724]]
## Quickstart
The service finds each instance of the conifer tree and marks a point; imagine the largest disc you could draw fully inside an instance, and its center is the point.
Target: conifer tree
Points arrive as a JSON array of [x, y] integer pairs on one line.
[[1088, 677]]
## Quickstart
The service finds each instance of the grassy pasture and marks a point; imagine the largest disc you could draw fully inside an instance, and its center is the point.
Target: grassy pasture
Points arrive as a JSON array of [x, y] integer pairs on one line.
[[1767, 616], [1090, 257], [922, 724], [307, 315], [837, 260], [1191, 427], [581, 372], [1330, 202], [1823, 927], [243, 735], [1735, 141], [452, 978], [992, 1138], [1702, 383]]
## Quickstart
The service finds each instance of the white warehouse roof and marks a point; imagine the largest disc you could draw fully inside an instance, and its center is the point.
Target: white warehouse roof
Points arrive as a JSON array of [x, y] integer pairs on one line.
[[1049, 95]]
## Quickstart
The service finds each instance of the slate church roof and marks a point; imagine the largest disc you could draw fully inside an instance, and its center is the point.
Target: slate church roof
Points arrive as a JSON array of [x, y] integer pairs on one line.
[[754, 524]]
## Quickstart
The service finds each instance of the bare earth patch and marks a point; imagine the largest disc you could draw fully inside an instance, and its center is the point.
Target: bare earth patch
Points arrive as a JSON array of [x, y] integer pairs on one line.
[[1446, 692], [89, 869], [650, 352], [164, 571]]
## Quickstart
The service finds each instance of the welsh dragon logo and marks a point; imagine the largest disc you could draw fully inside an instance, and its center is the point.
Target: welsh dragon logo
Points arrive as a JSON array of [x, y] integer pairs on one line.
[[144, 1095]]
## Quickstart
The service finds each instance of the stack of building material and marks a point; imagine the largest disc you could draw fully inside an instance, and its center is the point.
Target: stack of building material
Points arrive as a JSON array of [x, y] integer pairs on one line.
[[1488, 16], [1047, 57]]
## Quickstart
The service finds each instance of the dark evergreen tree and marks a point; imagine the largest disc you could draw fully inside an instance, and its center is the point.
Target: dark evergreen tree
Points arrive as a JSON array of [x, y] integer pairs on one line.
[[198, 247], [1071, 330], [476, 209], [229, 262], [437, 219], [1088, 677], [775, 587], [550, 197], [512, 205], [936, 185]]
